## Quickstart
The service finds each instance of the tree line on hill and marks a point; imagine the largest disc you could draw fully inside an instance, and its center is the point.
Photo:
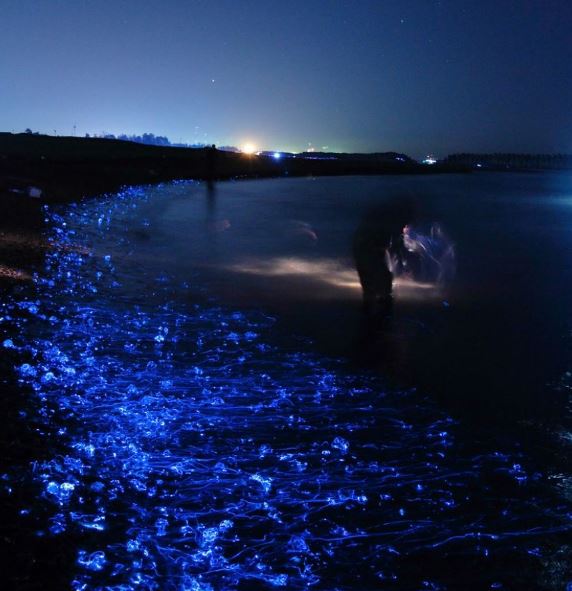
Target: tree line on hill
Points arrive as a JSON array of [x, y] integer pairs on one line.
[[149, 139]]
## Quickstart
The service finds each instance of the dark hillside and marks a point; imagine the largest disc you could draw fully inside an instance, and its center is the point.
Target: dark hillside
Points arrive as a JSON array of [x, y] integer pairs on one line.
[[68, 168]]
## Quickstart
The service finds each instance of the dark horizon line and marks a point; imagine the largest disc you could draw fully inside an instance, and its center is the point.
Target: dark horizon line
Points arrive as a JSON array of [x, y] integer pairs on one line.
[[203, 145]]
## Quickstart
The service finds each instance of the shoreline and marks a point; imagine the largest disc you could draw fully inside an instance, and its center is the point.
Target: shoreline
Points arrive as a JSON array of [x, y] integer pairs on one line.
[[66, 169]]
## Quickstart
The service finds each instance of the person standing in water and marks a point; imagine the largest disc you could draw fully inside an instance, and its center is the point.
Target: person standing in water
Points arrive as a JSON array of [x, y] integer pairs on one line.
[[378, 250]]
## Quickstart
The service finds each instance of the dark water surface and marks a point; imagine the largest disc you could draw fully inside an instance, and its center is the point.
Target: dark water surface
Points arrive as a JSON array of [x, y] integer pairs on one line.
[[216, 411]]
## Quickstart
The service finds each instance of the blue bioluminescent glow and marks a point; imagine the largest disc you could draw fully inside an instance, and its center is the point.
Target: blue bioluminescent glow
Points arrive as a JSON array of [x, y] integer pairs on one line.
[[198, 454]]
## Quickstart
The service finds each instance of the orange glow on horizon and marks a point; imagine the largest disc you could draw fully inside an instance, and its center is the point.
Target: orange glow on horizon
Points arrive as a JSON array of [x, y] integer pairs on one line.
[[249, 149]]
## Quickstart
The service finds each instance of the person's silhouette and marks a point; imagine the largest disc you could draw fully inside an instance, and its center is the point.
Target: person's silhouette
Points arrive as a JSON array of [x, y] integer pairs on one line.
[[378, 249]]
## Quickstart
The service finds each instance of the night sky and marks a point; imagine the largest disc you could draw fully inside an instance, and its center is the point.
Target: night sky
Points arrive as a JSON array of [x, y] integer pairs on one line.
[[418, 76]]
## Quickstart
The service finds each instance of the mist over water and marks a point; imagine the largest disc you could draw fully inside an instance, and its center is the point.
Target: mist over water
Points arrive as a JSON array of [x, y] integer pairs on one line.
[[228, 418]]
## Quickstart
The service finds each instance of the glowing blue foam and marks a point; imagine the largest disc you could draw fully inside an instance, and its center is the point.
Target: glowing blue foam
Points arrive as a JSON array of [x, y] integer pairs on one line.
[[201, 456]]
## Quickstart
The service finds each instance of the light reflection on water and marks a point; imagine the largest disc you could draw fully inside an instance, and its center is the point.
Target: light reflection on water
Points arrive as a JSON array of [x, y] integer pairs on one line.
[[332, 272], [200, 454]]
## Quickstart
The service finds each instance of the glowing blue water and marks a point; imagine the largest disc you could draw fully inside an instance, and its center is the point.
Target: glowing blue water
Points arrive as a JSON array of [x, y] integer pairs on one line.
[[201, 455]]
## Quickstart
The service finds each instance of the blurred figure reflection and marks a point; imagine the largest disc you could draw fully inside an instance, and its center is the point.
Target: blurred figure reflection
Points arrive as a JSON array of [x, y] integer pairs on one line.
[[211, 199], [428, 257]]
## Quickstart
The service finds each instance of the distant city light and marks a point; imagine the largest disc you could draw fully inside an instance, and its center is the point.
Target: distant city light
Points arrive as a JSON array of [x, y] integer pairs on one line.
[[249, 149], [430, 160], [277, 155]]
